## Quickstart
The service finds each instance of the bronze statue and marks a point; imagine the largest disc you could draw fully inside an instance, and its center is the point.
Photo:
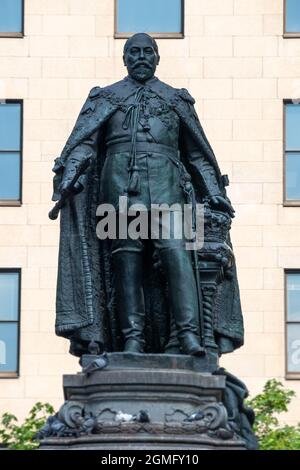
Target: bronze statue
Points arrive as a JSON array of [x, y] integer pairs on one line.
[[148, 314], [141, 139]]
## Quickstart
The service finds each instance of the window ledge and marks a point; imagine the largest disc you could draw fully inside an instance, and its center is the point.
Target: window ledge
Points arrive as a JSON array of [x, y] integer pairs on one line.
[[9, 375], [7, 203], [11, 35], [291, 203], [154, 35], [292, 376], [291, 35]]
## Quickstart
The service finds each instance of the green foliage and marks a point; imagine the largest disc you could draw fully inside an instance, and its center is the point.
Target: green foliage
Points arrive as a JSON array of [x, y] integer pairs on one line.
[[20, 437], [267, 405]]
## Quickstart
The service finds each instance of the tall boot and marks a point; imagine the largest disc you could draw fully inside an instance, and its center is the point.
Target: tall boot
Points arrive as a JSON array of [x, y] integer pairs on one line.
[[128, 268], [172, 346], [183, 298]]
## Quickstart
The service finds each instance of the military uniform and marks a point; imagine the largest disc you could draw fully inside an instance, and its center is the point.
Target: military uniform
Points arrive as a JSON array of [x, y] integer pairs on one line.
[[152, 141], [162, 148], [157, 135]]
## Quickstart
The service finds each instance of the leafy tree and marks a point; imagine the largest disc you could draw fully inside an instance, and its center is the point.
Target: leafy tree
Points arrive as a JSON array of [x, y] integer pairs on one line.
[[21, 437], [267, 405]]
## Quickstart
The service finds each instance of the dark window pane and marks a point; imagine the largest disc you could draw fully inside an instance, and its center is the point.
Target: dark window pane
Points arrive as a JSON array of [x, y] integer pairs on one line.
[[293, 176], [8, 347], [11, 16], [9, 176], [152, 16], [292, 16], [10, 126], [293, 297], [293, 347], [9, 296]]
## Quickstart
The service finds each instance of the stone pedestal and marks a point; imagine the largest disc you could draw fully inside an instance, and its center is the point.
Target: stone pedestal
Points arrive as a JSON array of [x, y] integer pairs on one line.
[[139, 401]]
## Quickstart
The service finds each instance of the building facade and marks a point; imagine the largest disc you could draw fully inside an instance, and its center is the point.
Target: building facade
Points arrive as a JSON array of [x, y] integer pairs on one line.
[[240, 59]]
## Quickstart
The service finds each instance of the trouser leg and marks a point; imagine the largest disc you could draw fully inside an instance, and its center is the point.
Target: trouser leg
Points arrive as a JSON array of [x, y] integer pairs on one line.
[[183, 298], [128, 268]]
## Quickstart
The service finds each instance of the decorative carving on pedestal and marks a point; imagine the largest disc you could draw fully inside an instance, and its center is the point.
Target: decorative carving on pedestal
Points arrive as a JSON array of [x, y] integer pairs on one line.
[[73, 420], [155, 401]]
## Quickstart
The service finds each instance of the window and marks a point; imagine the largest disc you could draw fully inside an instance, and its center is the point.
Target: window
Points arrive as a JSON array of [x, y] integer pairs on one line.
[[156, 17], [292, 18], [292, 307], [10, 152], [291, 153], [11, 18], [9, 322]]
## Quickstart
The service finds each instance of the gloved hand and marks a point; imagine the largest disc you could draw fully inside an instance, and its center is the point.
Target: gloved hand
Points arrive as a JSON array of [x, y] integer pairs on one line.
[[223, 204], [70, 172]]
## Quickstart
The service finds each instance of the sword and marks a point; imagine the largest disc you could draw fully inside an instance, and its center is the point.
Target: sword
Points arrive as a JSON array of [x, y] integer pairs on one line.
[[189, 190]]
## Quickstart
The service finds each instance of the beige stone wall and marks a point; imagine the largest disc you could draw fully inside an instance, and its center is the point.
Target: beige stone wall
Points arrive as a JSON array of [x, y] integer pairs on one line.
[[239, 68]]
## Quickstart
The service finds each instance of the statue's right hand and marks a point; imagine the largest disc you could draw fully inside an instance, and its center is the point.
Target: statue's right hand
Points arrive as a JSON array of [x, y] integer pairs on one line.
[[65, 187], [72, 180]]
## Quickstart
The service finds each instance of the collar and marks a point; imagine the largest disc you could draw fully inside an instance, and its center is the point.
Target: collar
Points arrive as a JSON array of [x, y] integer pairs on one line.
[[138, 84], [128, 86]]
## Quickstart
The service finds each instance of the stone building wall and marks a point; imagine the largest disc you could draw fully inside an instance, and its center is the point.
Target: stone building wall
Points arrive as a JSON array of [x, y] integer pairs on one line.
[[237, 65]]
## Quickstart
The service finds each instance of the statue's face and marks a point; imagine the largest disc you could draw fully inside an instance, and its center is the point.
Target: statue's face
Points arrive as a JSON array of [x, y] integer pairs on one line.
[[140, 58]]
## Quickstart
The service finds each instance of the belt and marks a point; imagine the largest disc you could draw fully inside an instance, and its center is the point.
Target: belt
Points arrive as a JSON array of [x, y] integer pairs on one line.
[[142, 147]]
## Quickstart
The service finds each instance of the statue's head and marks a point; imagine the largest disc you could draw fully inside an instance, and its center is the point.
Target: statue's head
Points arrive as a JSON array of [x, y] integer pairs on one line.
[[141, 56]]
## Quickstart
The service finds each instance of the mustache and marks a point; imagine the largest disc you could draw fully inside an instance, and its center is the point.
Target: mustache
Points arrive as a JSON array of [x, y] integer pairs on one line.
[[144, 64]]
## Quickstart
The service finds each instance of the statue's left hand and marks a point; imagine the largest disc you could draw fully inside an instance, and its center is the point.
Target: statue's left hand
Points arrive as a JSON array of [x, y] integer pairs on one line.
[[223, 204]]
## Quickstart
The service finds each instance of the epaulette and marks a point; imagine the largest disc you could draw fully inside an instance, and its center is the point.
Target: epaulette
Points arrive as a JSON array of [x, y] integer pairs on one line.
[[184, 94], [95, 92], [89, 106]]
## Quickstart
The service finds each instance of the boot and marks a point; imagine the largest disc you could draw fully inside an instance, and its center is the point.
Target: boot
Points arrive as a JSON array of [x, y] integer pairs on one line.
[[173, 346], [183, 298], [130, 298]]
